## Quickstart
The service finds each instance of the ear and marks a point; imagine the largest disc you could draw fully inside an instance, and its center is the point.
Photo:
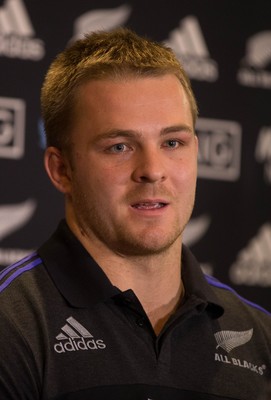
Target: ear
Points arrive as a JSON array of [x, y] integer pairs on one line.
[[58, 169]]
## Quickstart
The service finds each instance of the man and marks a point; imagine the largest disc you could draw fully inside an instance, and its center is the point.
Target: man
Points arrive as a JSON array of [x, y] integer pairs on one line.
[[113, 306]]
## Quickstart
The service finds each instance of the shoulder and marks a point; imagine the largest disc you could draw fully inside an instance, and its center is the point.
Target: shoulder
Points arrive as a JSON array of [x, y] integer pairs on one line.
[[23, 284], [29, 303], [239, 309], [11, 274]]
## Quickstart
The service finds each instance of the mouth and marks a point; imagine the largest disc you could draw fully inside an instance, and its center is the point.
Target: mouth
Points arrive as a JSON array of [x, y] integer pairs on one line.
[[149, 205]]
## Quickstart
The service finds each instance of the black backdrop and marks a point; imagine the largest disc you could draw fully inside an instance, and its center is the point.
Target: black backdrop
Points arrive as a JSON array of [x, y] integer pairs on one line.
[[226, 49]]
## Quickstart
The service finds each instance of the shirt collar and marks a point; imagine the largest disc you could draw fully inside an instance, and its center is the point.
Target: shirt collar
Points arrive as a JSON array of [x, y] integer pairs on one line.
[[196, 284], [76, 275], [83, 283]]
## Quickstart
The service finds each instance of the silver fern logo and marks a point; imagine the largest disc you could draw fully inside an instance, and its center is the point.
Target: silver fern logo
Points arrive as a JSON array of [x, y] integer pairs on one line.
[[228, 340], [15, 216], [105, 19]]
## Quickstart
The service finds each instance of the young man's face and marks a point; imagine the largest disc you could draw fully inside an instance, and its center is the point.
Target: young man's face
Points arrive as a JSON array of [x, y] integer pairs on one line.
[[134, 164]]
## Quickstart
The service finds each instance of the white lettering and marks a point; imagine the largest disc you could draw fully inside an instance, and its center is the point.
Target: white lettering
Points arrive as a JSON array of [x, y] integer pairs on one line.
[[69, 346], [222, 358], [14, 46], [240, 363], [79, 344], [252, 78], [100, 344], [200, 68], [59, 348]]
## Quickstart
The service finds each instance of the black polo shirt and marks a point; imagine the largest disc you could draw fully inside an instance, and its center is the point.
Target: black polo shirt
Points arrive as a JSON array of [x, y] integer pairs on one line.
[[68, 333]]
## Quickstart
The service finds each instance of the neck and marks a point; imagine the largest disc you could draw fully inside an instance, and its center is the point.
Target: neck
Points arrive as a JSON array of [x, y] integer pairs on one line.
[[155, 278], [156, 281]]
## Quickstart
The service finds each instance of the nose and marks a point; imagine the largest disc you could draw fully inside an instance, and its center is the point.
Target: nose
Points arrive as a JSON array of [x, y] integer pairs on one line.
[[149, 167]]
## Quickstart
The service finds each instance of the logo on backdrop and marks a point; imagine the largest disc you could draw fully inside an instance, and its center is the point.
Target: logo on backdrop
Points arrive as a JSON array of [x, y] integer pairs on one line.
[[12, 127], [263, 151], [253, 264], [219, 149], [254, 67], [196, 229], [105, 19], [17, 33], [188, 43], [12, 218]]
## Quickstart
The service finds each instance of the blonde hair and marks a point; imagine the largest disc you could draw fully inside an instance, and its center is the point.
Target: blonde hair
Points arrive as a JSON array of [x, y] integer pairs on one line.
[[118, 54]]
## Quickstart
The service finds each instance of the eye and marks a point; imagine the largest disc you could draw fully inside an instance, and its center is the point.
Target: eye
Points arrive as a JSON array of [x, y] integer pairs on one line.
[[172, 144], [118, 148]]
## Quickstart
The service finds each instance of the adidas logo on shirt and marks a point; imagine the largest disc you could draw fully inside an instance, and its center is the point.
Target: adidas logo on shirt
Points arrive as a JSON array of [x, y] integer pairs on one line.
[[75, 337]]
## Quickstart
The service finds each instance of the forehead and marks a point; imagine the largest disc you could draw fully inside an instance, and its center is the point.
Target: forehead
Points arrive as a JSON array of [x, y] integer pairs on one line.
[[132, 103], [135, 91]]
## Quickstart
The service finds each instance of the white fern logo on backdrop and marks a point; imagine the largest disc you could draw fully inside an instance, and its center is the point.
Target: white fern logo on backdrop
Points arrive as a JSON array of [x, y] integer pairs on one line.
[[196, 229], [102, 19], [14, 216], [255, 66]]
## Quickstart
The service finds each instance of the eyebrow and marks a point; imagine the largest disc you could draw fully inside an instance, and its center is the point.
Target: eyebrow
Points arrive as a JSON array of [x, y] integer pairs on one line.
[[113, 133], [177, 128]]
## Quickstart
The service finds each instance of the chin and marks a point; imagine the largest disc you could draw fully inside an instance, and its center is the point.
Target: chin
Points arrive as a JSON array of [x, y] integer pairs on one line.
[[149, 246]]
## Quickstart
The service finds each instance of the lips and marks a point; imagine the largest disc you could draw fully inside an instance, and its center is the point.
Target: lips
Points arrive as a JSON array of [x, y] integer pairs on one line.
[[149, 205]]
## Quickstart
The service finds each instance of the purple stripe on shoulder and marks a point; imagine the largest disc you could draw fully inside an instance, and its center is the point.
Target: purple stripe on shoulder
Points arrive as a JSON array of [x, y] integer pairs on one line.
[[5, 271], [213, 281], [19, 272]]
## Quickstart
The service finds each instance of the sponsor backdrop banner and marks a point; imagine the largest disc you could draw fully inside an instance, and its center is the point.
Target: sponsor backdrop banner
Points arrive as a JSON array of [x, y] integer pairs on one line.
[[225, 47]]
